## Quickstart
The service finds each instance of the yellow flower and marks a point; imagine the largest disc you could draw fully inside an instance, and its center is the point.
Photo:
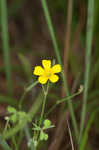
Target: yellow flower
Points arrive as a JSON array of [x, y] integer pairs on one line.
[[47, 72]]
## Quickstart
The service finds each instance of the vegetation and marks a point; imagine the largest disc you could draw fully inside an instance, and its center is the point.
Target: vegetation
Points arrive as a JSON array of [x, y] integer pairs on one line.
[[49, 62]]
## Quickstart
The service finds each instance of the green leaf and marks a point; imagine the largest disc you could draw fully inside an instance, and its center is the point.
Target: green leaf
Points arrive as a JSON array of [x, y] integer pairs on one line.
[[42, 135], [45, 137], [11, 109], [22, 115], [14, 118], [47, 123]]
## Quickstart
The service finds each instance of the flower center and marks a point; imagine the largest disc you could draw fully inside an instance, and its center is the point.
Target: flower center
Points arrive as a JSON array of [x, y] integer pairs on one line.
[[48, 74]]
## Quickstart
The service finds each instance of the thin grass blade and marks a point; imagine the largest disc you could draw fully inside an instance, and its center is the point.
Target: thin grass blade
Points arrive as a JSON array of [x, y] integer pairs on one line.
[[5, 43], [87, 62]]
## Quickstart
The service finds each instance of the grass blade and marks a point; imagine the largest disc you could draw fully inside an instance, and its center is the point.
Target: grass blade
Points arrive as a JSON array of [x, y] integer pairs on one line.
[[87, 62], [8, 100], [5, 42], [85, 135], [51, 30]]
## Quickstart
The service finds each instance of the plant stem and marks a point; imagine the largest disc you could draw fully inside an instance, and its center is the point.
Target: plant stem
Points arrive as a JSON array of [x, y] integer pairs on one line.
[[43, 108], [5, 42], [87, 62], [48, 19], [63, 100], [42, 111], [31, 86], [21, 100], [6, 126], [25, 92], [50, 26]]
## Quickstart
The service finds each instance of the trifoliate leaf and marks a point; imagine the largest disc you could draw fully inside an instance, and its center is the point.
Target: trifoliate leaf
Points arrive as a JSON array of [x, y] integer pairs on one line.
[[43, 136], [47, 123]]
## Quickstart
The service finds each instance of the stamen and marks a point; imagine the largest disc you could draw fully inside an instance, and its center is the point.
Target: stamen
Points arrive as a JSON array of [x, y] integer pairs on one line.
[[48, 74]]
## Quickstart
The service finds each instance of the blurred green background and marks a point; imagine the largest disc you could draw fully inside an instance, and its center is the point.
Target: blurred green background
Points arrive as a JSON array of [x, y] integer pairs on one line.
[[25, 40]]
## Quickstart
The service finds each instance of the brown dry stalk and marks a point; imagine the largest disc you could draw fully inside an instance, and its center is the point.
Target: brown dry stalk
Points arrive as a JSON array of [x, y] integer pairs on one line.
[[62, 119], [67, 40]]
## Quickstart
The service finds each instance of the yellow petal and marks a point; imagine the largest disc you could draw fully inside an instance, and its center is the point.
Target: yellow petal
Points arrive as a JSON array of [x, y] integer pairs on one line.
[[38, 71], [46, 64], [42, 79], [54, 78], [56, 68]]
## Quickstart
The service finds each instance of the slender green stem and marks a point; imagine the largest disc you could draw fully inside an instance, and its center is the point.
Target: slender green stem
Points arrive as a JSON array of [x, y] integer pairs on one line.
[[87, 62], [45, 91], [42, 112], [21, 100], [63, 100], [31, 86], [52, 33], [27, 89], [6, 126], [5, 42], [47, 16], [51, 109], [43, 108]]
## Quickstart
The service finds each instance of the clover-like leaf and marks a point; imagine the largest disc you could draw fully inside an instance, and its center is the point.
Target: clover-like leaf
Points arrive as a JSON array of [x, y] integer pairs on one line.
[[47, 123], [11, 109], [42, 135]]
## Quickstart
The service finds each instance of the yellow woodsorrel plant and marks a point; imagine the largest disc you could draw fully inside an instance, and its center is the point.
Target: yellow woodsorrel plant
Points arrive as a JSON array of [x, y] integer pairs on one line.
[[46, 73], [19, 118]]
